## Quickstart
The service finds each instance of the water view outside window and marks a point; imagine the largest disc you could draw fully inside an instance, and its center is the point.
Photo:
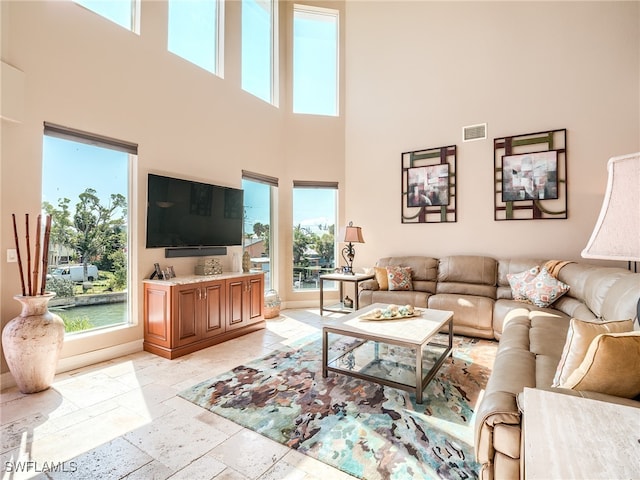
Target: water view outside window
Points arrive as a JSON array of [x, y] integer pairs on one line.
[[257, 227], [315, 60], [122, 12], [194, 31], [85, 189], [314, 217], [257, 48]]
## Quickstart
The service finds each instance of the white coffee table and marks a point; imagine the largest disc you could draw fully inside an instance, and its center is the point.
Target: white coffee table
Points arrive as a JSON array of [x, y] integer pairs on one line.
[[374, 357]]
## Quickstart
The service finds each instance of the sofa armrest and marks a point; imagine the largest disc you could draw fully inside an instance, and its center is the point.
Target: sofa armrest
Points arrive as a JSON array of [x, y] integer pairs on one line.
[[497, 410], [371, 284]]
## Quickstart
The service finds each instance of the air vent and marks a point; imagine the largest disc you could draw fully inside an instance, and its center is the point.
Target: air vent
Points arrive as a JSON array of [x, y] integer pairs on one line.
[[474, 132]]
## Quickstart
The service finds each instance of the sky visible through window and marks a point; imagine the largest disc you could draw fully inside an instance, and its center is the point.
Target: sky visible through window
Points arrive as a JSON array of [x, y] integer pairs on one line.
[[118, 11], [315, 66], [256, 48], [68, 168], [193, 31]]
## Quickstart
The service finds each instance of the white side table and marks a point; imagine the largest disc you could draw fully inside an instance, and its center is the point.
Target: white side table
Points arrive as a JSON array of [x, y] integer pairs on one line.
[[567, 437]]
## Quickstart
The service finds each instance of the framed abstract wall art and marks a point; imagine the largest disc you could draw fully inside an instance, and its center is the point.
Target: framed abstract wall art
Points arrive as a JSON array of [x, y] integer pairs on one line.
[[531, 176], [428, 185]]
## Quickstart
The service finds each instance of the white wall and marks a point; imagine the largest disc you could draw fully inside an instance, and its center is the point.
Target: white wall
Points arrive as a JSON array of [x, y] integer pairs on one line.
[[419, 71], [85, 72]]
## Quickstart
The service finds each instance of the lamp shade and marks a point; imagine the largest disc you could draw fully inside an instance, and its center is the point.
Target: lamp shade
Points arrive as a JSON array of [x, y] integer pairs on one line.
[[616, 235], [353, 234]]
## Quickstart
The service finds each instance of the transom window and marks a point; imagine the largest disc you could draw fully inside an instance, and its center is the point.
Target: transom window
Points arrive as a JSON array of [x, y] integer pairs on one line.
[[258, 47], [195, 32], [315, 60], [122, 12]]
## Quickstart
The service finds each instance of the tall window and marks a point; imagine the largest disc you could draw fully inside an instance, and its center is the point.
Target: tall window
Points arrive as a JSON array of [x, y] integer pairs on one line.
[[122, 12], [195, 32], [314, 225], [315, 60], [258, 47], [85, 188], [260, 191]]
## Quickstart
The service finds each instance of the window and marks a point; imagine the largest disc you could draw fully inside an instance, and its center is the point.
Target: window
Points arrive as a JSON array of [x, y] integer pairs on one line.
[[122, 12], [314, 223], [260, 192], [85, 187], [315, 60], [195, 32], [258, 47]]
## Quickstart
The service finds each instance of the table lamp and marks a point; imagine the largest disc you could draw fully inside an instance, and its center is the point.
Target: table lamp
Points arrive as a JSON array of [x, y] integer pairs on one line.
[[351, 235]]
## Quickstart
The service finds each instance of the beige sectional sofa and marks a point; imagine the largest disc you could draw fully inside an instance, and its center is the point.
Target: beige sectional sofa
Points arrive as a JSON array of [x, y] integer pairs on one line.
[[532, 339]]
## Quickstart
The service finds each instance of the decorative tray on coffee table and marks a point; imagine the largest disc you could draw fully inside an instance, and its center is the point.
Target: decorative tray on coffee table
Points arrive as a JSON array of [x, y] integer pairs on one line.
[[398, 316]]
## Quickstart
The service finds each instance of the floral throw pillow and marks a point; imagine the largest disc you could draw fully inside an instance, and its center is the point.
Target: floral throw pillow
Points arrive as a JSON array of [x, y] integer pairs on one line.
[[399, 278], [545, 289], [520, 282]]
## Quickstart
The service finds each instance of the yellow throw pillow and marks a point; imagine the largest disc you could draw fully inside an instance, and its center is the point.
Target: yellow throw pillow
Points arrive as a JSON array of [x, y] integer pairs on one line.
[[381, 277], [579, 337], [611, 366]]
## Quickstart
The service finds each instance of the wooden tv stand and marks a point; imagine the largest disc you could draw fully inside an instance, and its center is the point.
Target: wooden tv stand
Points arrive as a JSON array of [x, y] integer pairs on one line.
[[189, 313]]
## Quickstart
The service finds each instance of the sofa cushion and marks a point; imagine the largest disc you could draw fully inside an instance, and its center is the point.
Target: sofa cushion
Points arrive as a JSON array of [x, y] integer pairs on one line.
[[545, 289], [579, 336], [381, 277], [468, 269], [424, 270], [519, 282], [610, 366], [399, 278]]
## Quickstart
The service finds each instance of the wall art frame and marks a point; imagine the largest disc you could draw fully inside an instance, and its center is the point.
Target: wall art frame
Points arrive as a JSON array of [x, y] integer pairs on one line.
[[530, 176], [429, 185]]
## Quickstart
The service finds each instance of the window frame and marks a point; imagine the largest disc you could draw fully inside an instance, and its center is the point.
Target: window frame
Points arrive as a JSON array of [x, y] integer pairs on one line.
[[312, 11], [273, 183], [218, 67], [315, 184], [274, 60], [134, 21], [131, 149]]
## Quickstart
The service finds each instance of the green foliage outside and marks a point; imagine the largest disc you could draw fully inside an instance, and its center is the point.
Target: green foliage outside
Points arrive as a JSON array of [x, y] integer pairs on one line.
[[323, 244], [75, 324], [63, 288], [96, 233]]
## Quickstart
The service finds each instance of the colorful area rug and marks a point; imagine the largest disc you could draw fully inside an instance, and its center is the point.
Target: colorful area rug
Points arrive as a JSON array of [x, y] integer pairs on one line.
[[362, 428]]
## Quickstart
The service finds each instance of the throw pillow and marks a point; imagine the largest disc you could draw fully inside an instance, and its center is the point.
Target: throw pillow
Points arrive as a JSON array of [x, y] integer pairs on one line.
[[610, 366], [545, 289], [381, 277], [399, 278], [519, 283], [579, 336]]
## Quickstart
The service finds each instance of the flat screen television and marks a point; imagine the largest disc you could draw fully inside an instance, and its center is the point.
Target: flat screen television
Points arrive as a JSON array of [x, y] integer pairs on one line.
[[183, 213]]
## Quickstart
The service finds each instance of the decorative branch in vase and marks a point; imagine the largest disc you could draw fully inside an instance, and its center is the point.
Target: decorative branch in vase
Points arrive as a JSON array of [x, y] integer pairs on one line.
[[33, 340]]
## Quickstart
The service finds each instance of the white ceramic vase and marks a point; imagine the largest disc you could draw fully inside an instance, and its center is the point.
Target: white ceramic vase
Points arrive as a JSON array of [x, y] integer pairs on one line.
[[31, 343]]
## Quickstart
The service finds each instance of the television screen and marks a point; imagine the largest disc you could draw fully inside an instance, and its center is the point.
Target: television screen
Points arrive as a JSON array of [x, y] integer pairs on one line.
[[182, 213]]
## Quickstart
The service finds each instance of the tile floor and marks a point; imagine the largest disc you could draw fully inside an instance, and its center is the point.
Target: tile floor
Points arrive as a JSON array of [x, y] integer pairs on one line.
[[122, 419]]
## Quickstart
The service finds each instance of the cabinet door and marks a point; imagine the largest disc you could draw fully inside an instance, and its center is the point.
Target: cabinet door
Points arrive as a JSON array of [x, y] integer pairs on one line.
[[157, 315], [235, 303], [213, 311], [188, 326], [255, 299]]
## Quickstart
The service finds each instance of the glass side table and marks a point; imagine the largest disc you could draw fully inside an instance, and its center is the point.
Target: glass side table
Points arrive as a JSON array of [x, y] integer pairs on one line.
[[341, 278]]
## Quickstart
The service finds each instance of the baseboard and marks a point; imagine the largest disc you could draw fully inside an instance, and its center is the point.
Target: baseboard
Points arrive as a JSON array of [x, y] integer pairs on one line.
[[83, 360]]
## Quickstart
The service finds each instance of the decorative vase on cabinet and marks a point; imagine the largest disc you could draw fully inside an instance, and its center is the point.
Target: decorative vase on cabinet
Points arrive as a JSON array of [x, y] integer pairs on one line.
[[32, 342]]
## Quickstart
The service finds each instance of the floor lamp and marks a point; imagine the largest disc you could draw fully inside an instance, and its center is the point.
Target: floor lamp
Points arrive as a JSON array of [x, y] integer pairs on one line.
[[616, 235]]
